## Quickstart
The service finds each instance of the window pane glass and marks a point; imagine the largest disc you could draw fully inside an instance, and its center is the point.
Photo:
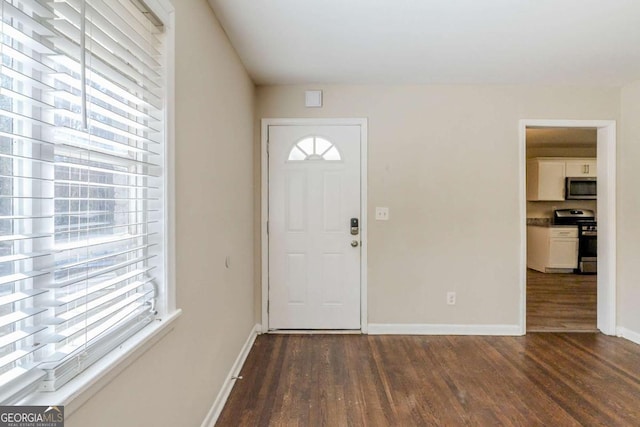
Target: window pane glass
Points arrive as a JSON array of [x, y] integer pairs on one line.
[[332, 154], [80, 206], [322, 145], [6, 208], [296, 154], [314, 149], [306, 145]]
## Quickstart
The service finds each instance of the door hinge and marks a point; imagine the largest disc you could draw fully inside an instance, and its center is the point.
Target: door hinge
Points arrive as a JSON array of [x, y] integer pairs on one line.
[[267, 227], [268, 306]]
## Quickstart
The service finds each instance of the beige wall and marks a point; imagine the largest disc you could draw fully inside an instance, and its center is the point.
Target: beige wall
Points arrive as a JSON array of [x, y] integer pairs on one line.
[[175, 383], [628, 214], [445, 160]]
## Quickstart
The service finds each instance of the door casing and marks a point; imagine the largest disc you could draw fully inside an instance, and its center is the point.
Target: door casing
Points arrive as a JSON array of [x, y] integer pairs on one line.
[[362, 123], [606, 203]]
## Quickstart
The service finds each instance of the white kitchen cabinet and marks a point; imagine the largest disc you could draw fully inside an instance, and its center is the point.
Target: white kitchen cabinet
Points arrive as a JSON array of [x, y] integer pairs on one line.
[[581, 168], [552, 249], [545, 179], [546, 175]]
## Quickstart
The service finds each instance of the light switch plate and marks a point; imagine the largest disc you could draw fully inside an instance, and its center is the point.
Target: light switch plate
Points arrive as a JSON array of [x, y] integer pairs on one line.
[[382, 214]]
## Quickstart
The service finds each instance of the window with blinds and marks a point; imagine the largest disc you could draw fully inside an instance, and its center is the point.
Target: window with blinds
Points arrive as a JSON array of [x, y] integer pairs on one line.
[[81, 185]]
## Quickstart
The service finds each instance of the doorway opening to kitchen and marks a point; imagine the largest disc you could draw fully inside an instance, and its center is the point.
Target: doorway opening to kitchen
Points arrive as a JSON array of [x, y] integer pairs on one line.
[[561, 270], [568, 216]]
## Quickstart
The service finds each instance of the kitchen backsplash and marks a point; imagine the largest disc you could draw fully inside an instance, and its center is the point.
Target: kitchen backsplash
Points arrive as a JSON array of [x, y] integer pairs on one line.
[[543, 222]]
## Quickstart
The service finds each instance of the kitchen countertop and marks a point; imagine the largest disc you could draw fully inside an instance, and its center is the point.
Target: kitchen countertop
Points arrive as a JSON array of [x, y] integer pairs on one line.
[[545, 222], [542, 222]]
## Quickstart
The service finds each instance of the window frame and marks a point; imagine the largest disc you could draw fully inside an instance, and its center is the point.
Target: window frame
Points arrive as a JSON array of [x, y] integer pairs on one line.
[[81, 388]]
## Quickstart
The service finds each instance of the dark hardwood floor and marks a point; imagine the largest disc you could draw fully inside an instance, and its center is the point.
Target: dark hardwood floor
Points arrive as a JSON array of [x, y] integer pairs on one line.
[[358, 380], [561, 302]]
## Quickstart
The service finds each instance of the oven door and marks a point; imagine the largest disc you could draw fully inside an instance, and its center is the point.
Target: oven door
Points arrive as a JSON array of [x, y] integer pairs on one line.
[[587, 252]]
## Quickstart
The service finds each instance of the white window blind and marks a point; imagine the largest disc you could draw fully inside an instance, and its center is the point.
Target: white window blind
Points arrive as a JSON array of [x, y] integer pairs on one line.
[[81, 185]]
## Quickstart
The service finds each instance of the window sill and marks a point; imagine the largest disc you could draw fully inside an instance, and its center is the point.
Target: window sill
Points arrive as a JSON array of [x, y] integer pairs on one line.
[[79, 390]]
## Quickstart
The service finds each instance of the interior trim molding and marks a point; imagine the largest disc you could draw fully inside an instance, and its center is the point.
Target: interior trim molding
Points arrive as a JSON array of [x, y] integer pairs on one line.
[[83, 387], [441, 329], [264, 211], [225, 391], [606, 208], [628, 334]]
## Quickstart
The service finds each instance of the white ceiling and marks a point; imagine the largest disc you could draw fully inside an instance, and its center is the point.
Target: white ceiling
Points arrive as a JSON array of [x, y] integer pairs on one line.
[[576, 42]]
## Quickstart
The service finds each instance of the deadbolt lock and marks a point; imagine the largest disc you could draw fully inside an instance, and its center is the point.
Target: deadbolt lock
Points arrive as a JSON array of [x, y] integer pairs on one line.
[[355, 228]]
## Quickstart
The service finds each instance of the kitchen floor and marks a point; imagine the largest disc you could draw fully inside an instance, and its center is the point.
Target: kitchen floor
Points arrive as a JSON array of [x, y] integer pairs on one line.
[[561, 302]]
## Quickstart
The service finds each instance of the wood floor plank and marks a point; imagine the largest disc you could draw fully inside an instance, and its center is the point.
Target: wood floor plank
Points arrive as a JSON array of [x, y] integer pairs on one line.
[[351, 380], [561, 302]]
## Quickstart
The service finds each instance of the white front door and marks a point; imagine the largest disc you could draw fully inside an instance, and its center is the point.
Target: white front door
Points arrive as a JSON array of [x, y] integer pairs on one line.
[[314, 260]]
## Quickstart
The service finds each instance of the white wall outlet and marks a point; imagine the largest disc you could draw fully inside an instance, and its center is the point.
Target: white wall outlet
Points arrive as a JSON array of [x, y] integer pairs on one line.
[[382, 214], [451, 298]]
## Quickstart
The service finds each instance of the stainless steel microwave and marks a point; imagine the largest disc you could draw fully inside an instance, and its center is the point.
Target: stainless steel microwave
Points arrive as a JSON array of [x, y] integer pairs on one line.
[[581, 188]]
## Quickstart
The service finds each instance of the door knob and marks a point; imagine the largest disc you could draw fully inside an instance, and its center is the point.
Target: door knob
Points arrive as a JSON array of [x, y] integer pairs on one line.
[[354, 243]]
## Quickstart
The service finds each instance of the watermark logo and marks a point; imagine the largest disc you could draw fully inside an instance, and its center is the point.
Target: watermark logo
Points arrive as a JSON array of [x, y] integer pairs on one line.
[[31, 416]]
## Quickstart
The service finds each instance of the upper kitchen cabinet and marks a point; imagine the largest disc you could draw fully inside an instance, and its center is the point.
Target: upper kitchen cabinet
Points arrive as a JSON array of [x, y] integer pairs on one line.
[[546, 176], [581, 168], [545, 179]]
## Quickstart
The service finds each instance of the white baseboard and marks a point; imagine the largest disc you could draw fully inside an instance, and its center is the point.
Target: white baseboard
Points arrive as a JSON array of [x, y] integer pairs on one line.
[[426, 329], [628, 334], [223, 395]]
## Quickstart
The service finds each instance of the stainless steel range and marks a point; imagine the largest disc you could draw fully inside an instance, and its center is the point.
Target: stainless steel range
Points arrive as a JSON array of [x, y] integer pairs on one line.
[[585, 220], [588, 247]]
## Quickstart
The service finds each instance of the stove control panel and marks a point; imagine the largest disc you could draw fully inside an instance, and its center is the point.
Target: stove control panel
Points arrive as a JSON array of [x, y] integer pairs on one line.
[[589, 229]]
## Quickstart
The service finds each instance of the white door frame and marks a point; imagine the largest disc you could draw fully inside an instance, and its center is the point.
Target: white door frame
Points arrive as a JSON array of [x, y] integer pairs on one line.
[[265, 207], [606, 203]]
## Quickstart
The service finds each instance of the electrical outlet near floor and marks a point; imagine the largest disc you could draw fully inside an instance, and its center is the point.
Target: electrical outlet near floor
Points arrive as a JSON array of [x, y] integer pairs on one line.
[[451, 298]]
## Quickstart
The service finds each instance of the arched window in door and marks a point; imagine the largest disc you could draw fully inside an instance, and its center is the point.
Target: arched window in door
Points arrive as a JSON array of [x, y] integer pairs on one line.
[[314, 148]]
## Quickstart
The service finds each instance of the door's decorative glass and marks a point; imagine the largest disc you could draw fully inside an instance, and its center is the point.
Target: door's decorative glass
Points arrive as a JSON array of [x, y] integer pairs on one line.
[[314, 148]]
